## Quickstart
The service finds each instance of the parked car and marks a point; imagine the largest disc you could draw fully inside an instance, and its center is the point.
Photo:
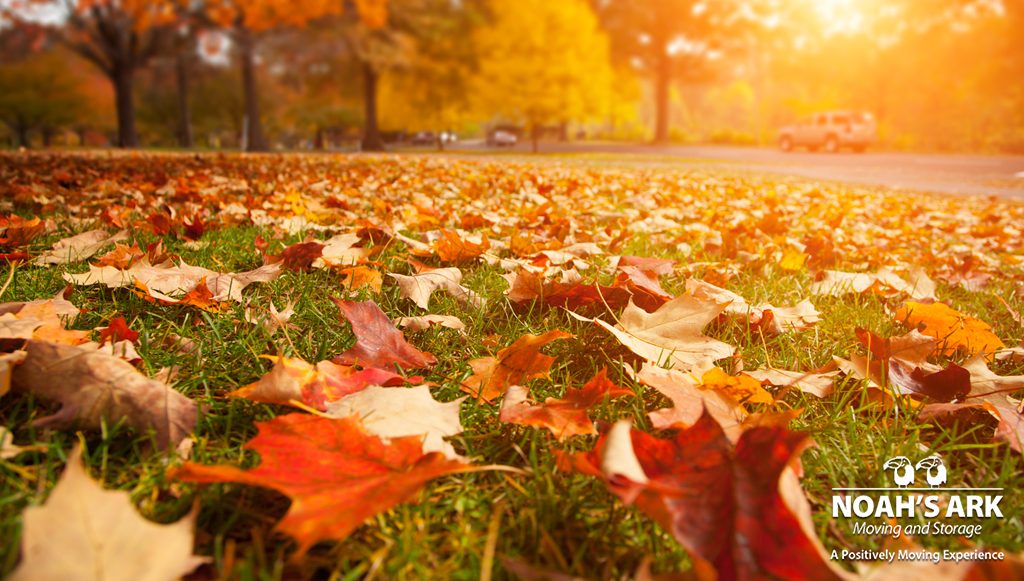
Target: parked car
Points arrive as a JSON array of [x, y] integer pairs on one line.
[[502, 138], [449, 137], [830, 131], [424, 138]]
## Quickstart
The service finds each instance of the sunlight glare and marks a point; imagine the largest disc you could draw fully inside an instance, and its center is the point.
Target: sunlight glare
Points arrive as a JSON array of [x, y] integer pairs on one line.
[[839, 16]]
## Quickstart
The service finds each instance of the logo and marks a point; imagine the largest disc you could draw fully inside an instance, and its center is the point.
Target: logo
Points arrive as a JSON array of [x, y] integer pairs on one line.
[[904, 471], [917, 503]]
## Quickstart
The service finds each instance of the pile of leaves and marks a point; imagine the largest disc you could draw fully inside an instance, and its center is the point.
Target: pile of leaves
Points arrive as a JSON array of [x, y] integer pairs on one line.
[[451, 337]]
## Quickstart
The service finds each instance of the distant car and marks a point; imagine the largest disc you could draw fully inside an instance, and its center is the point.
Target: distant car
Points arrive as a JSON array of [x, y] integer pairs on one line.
[[502, 139], [830, 131], [449, 137], [424, 138]]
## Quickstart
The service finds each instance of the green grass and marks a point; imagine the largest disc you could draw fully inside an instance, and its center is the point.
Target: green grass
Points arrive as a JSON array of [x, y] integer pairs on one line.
[[564, 522]]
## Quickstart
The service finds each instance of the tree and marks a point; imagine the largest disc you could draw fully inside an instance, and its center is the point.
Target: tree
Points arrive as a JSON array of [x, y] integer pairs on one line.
[[431, 90], [543, 63], [38, 94], [184, 49], [381, 37], [664, 38], [118, 36], [249, 19]]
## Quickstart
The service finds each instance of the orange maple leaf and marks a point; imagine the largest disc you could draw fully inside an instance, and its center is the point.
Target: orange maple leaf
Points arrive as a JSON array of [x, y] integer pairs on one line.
[[336, 473], [519, 362], [954, 330], [564, 417], [453, 248]]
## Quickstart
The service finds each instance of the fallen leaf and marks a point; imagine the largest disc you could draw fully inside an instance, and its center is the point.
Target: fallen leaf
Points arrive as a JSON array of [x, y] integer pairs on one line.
[[742, 388], [989, 393], [341, 251], [195, 228], [917, 285], [575, 296], [394, 412], [117, 330], [294, 380], [93, 387], [7, 363], [690, 401], [167, 281], [299, 257], [775, 320], [79, 247], [673, 334], [419, 287], [337, 474], [564, 417], [357, 277], [514, 365], [913, 348], [655, 266], [8, 449], [723, 503], [816, 384], [272, 319], [16, 231], [947, 384], [953, 330], [121, 257], [15, 327], [42, 320], [424, 322], [378, 342], [644, 286], [85, 532], [453, 248]]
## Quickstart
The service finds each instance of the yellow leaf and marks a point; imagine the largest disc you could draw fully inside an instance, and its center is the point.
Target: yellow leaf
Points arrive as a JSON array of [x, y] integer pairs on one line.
[[792, 259], [954, 330], [742, 387]]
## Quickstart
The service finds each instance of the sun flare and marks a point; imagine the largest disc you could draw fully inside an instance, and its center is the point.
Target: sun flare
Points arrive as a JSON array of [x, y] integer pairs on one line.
[[840, 15]]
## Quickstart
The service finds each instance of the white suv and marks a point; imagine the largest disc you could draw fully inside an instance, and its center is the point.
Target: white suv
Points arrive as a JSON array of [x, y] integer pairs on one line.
[[830, 131]]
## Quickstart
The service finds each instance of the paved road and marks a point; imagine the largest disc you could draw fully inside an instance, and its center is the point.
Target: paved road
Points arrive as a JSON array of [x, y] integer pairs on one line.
[[1001, 175]]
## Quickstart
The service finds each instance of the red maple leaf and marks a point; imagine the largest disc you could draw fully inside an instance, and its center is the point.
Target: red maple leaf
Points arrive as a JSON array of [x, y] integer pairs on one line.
[[378, 342], [195, 228], [298, 256], [722, 503]]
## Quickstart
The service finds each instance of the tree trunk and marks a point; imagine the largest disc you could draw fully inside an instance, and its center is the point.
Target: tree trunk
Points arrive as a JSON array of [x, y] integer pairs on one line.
[[535, 137], [662, 82], [371, 134], [47, 133], [254, 128], [21, 134], [123, 79], [184, 109]]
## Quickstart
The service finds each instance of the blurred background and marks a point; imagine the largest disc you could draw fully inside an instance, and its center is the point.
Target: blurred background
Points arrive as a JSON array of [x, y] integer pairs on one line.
[[371, 74]]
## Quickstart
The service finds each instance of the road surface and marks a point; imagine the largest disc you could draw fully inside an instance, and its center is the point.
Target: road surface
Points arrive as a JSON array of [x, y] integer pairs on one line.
[[1000, 175]]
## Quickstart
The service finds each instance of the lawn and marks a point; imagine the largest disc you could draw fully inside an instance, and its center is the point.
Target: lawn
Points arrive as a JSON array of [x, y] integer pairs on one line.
[[768, 239]]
